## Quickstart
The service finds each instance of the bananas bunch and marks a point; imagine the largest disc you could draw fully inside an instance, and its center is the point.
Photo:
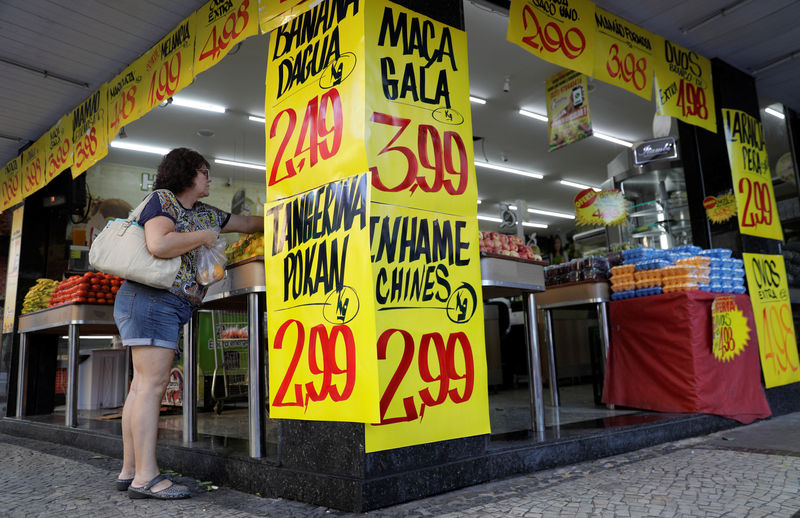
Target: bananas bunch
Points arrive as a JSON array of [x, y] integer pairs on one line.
[[38, 297]]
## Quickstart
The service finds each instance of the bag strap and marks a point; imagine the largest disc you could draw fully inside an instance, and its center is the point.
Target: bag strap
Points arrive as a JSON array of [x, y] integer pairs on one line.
[[134, 215]]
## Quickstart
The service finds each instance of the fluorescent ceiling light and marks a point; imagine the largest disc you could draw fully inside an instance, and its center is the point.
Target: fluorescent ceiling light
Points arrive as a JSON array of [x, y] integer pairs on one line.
[[775, 113], [489, 218], [546, 212], [479, 202], [487, 165], [477, 100], [534, 225], [533, 115], [262, 120], [198, 105], [615, 140], [260, 167], [578, 185], [124, 144]]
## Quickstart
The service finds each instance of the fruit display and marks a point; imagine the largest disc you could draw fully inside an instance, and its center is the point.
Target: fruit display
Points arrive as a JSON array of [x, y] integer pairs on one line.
[[39, 296], [511, 246], [89, 288], [250, 245]]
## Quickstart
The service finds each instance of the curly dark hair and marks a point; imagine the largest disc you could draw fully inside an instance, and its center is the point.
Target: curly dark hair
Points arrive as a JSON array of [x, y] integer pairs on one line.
[[178, 170]]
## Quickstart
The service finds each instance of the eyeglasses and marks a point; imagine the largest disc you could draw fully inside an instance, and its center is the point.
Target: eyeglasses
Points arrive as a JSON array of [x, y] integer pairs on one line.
[[204, 171]]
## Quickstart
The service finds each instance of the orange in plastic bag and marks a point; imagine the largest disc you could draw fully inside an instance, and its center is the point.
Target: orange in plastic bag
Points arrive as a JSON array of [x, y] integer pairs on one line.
[[211, 264]]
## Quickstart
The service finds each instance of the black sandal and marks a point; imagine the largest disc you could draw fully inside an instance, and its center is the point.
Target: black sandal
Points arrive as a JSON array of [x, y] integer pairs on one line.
[[123, 484], [173, 492]]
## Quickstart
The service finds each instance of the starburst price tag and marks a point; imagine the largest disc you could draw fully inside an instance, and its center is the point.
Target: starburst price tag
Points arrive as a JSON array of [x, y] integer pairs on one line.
[[731, 332], [599, 208], [720, 209]]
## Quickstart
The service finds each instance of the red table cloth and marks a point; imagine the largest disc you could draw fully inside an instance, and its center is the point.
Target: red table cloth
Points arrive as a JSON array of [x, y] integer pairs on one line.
[[661, 359]]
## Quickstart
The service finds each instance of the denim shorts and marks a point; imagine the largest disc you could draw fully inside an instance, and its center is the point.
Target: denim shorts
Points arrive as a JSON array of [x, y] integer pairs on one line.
[[150, 316]]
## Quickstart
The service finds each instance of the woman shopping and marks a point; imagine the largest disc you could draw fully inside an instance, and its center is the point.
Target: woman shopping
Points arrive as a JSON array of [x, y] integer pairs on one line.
[[149, 319]]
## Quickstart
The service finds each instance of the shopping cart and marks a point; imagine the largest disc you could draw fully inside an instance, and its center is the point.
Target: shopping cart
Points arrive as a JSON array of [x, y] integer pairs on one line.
[[229, 345]]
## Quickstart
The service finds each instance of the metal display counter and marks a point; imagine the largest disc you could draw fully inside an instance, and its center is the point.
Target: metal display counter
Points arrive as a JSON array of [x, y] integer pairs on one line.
[[505, 277], [574, 296], [74, 320], [242, 288]]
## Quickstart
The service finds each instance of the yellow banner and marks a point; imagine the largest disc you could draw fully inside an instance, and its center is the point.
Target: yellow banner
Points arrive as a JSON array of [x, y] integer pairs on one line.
[[720, 208], [89, 131], [12, 273], [314, 101], [126, 93], [683, 86], [33, 167], [168, 67], [320, 323], [599, 208], [10, 184], [220, 26], [418, 120], [431, 353], [730, 333], [274, 13], [568, 114], [59, 147], [777, 342], [752, 180], [561, 32], [624, 53]]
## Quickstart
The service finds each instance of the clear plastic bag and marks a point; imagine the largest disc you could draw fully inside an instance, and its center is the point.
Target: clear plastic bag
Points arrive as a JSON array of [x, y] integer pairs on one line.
[[211, 263]]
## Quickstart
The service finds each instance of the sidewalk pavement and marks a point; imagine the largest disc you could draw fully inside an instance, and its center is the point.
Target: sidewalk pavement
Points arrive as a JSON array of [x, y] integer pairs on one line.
[[752, 470]]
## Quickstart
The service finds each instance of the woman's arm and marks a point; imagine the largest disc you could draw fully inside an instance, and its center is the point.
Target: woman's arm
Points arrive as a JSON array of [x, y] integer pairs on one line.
[[244, 224], [162, 240]]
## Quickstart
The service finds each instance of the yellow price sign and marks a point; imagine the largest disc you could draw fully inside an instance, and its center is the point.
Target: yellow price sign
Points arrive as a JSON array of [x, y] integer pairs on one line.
[[599, 208], [274, 13], [730, 334], [321, 329], [559, 32], [126, 94], [10, 184], [59, 147], [752, 180], [772, 310], [89, 131], [33, 167], [720, 208], [431, 354], [220, 26]]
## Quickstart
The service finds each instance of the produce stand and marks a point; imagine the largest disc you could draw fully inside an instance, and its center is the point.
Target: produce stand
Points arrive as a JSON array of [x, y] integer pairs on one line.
[[504, 276], [74, 320]]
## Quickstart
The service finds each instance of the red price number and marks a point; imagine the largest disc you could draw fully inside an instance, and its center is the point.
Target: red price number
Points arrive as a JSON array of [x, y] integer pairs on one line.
[[777, 324], [571, 43], [629, 69], [10, 188], [692, 100], [758, 203], [322, 361], [85, 147], [324, 136], [164, 82], [234, 25], [34, 176], [441, 371], [123, 108], [59, 158], [434, 152]]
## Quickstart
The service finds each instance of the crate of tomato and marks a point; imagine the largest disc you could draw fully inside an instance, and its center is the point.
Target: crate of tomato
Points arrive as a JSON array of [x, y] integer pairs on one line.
[[89, 288]]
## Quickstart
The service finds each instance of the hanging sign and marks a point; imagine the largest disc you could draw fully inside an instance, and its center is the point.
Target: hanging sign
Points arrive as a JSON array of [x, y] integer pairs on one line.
[[430, 338], [314, 101], [730, 334], [168, 67], [772, 310], [624, 53], [274, 13], [12, 274], [561, 32], [126, 93], [320, 323], [683, 86], [221, 25], [10, 184], [89, 131], [59, 147], [599, 208], [720, 209], [33, 167], [752, 180], [419, 122], [568, 114]]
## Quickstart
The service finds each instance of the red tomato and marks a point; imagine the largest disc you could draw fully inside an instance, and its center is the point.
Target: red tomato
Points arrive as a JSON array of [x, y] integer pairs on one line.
[[91, 300], [105, 288]]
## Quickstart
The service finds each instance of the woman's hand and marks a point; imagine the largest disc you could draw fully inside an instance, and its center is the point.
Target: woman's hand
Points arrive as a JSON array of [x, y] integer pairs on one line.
[[208, 237]]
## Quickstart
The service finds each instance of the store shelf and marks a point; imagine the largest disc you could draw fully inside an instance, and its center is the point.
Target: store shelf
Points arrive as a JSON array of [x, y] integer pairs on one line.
[[783, 189]]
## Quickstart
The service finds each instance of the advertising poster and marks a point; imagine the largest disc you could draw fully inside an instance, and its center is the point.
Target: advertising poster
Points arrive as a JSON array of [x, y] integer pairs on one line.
[[568, 114], [599, 208], [12, 275], [418, 121], [752, 179], [89, 131], [730, 334], [59, 147], [274, 13], [624, 53], [10, 184], [683, 86], [772, 310], [220, 26], [430, 337], [169, 64], [561, 32], [126, 95], [33, 167], [320, 323], [720, 209], [314, 103]]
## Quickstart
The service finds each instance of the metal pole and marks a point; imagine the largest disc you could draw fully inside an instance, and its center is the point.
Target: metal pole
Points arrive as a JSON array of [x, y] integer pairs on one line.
[[605, 336], [190, 380], [71, 419], [551, 359], [255, 400], [22, 375], [534, 367]]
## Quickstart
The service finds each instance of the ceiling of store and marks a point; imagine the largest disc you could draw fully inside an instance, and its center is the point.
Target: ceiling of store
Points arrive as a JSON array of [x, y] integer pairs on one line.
[[89, 41]]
